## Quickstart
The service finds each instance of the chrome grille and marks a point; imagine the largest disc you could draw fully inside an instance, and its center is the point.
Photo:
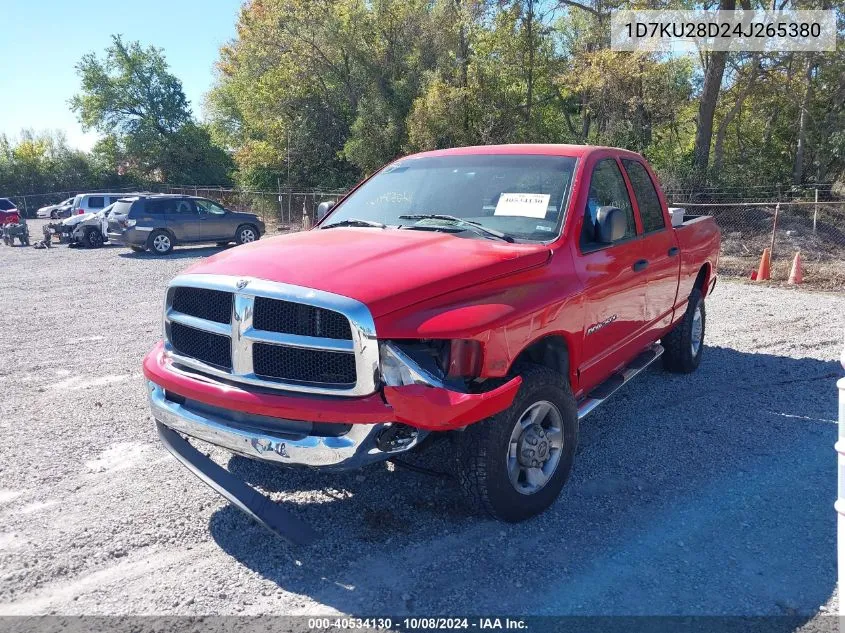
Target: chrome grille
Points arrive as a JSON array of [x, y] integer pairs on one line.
[[298, 318], [278, 336], [212, 305], [213, 349], [303, 365]]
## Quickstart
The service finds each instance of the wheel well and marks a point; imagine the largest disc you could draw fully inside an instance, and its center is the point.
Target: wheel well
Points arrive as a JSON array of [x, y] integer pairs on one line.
[[249, 224], [550, 351], [703, 279]]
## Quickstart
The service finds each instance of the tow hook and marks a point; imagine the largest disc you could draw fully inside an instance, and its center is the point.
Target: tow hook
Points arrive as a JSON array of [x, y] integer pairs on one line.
[[396, 437]]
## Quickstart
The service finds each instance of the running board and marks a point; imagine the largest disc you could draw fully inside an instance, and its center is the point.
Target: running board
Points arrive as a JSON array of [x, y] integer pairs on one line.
[[601, 393]]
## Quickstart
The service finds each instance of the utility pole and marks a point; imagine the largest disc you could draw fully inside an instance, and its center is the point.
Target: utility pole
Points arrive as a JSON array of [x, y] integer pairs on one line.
[[287, 160]]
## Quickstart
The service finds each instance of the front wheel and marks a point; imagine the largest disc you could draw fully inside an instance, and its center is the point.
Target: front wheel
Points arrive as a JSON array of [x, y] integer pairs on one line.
[[513, 465], [684, 345], [93, 238]]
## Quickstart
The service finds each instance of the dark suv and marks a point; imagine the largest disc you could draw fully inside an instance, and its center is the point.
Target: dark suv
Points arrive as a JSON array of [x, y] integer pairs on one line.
[[159, 222]]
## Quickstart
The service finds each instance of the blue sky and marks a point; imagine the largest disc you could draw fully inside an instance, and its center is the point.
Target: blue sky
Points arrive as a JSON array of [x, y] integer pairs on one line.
[[44, 39]]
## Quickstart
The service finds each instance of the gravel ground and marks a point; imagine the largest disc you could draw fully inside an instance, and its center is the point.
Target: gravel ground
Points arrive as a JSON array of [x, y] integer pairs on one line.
[[703, 494]]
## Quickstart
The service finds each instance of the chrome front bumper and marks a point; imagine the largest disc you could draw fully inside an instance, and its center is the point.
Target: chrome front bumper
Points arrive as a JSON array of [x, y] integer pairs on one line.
[[353, 450]]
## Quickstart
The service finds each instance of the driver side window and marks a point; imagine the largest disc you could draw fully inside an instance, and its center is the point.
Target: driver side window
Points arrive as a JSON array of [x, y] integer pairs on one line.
[[207, 206], [607, 188]]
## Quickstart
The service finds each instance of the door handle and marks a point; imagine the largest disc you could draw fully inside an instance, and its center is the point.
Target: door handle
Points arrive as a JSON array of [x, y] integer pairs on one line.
[[640, 265], [673, 251]]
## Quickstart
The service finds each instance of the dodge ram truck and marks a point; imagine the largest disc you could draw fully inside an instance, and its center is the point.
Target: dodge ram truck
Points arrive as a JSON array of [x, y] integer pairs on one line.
[[492, 296]]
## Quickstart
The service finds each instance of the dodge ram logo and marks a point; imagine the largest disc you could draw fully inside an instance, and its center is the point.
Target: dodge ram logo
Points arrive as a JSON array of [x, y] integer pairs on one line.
[[241, 284]]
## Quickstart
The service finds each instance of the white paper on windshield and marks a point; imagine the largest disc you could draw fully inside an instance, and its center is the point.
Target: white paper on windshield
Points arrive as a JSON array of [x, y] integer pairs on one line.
[[525, 205]]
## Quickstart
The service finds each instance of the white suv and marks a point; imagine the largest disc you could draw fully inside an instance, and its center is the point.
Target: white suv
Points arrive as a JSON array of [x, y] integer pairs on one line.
[[94, 202]]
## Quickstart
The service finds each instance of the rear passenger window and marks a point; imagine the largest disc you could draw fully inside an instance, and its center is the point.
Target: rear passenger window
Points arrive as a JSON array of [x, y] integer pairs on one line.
[[96, 202], [182, 207], [651, 212], [159, 207], [607, 188]]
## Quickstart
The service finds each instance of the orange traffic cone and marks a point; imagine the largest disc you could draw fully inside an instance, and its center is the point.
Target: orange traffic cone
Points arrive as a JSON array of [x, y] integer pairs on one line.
[[764, 272], [796, 275]]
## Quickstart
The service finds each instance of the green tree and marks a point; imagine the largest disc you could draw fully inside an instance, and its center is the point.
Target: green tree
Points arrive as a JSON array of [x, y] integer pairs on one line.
[[131, 97]]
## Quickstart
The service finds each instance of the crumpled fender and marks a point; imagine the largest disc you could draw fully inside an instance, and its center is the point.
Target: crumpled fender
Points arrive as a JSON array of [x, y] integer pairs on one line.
[[439, 409]]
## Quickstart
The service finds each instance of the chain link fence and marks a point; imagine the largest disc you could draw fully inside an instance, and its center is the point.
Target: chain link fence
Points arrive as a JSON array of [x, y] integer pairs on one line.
[[806, 220], [285, 210], [809, 220]]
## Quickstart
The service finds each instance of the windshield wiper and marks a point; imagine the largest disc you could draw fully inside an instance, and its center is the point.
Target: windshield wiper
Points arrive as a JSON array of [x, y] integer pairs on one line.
[[356, 222], [451, 218]]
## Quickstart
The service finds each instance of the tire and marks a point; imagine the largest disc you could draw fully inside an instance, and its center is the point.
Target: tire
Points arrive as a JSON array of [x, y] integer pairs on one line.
[[246, 233], [93, 238], [491, 451], [138, 249], [684, 345], [160, 242]]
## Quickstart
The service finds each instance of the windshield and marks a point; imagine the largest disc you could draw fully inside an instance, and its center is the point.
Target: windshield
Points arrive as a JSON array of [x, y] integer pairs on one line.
[[521, 196]]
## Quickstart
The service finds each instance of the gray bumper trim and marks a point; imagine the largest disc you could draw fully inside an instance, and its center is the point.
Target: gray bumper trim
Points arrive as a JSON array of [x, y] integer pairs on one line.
[[268, 513], [355, 449]]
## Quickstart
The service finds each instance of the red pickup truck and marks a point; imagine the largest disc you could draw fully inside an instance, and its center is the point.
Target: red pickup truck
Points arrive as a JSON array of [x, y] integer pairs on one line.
[[490, 295]]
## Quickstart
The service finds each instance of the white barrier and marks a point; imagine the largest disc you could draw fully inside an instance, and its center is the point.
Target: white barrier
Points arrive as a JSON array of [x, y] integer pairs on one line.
[[840, 501]]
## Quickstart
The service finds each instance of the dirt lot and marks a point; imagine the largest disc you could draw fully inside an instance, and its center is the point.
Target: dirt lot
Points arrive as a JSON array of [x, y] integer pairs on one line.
[[703, 494]]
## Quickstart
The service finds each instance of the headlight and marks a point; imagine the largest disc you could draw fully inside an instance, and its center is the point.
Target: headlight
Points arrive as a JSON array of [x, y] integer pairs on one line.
[[410, 363]]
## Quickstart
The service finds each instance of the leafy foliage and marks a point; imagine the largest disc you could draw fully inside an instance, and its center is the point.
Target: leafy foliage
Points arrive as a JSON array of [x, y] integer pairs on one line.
[[344, 86], [131, 98]]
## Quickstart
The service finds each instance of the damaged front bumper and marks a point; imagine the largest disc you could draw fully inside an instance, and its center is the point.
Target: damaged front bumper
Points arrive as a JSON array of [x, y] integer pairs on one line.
[[273, 439], [330, 433]]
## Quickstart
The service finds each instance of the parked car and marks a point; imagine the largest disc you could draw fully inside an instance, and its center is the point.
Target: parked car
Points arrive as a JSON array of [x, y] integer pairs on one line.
[[494, 295], [89, 229], [159, 222], [9, 213], [55, 211], [94, 202]]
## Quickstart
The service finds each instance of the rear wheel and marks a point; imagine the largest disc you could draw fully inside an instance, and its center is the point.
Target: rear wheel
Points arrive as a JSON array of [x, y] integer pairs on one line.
[[685, 343], [246, 234], [513, 465], [160, 242]]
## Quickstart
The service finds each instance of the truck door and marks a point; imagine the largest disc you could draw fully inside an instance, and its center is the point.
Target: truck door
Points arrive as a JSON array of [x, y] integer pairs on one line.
[[660, 246], [614, 280]]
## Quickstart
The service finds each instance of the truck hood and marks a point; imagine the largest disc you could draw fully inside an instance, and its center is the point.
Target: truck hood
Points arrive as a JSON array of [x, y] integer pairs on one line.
[[386, 269], [76, 219]]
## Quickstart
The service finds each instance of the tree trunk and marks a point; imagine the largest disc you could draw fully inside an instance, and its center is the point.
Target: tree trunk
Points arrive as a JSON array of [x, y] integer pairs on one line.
[[718, 146], [803, 115], [707, 104]]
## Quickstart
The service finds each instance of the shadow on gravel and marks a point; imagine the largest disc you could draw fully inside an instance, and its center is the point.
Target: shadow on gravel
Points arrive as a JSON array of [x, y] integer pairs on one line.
[[178, 252], [710, 493]]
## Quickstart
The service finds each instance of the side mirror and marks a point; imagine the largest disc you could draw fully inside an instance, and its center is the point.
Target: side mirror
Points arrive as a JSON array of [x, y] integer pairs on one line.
[[610, 225], [323, 209]]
